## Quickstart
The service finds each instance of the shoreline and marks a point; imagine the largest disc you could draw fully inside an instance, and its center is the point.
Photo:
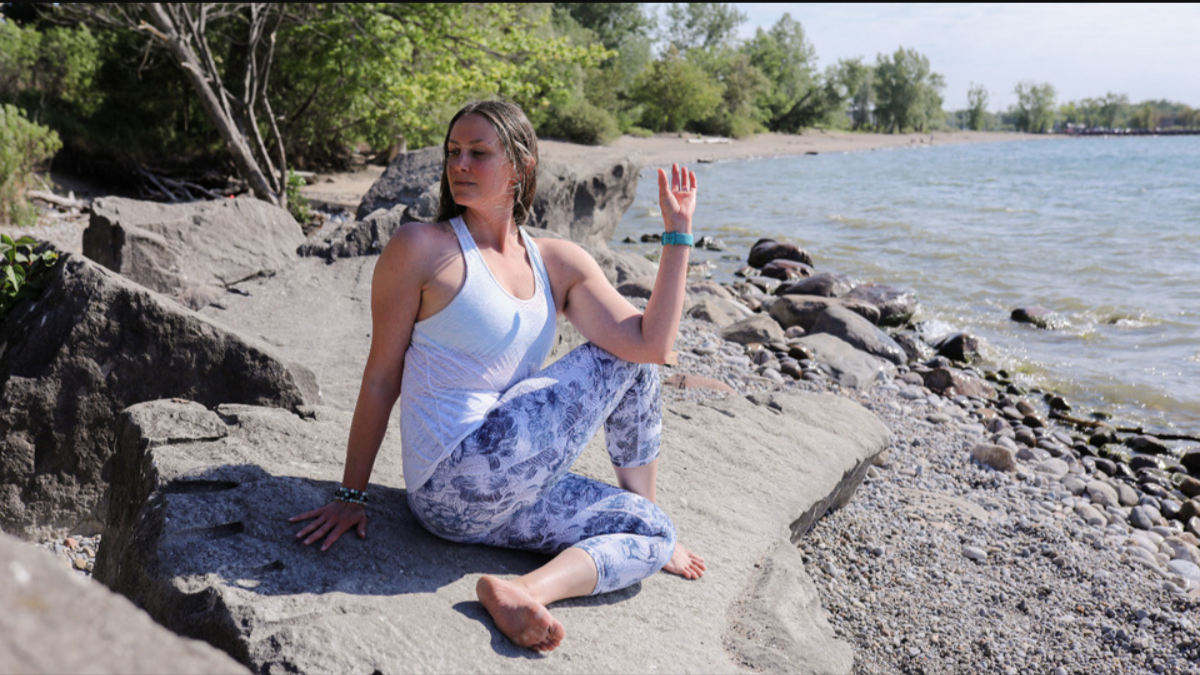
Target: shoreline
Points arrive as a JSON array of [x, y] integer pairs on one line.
[[688, 148], [347, 188]]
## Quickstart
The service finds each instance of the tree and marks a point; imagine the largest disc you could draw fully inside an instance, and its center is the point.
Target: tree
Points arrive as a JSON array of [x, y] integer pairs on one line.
[[1145, 117], [786, 57], [1111, 110], [908, 94], [857, 79], [701, 25], [1035, 107], [977, 100], [290, 81], [613, 23], [674, 92]]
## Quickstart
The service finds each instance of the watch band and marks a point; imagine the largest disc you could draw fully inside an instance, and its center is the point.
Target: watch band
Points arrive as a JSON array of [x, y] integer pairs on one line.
[[678, 238]]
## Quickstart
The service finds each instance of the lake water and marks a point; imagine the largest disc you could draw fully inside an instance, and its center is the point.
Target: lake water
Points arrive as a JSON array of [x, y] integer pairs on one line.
[[1103, 231]]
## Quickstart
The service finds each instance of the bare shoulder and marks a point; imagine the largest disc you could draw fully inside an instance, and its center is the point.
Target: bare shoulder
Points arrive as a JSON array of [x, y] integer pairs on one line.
[[416, 246], [565, 254]]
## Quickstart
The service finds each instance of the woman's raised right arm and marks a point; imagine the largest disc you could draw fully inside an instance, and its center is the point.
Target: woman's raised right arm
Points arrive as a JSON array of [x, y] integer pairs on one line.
[[395, 300]]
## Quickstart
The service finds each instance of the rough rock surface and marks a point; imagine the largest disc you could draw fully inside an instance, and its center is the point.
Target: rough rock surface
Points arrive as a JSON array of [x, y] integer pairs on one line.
[[804, 310], [896, 305], [93, 344], [57, 622], [849, 366], [191, 251], [581, 197], [843, 323], [201, 541]]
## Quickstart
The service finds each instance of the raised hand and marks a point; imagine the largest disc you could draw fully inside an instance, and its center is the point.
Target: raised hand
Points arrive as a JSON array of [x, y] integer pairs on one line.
[[334, 519], [677, 199]]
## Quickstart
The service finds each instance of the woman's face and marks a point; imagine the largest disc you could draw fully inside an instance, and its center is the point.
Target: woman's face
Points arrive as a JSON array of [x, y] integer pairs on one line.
[[477, 170]]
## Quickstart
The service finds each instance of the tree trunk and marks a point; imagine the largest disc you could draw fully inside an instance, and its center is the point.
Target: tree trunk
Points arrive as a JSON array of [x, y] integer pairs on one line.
[[211, 99]]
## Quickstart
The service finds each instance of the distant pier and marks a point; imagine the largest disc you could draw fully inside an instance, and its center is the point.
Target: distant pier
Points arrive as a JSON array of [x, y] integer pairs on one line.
[[1128, 132]]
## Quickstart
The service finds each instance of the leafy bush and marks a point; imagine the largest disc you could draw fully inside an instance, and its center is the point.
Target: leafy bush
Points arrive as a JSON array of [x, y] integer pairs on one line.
[[23, 267], [297, 203], [581, 122], [23, 145]]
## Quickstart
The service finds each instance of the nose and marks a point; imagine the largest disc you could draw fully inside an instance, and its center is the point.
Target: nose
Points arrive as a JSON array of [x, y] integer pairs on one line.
[[459, 163]]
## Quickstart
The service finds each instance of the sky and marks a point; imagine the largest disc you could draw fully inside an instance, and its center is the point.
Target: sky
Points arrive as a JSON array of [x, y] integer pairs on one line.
[[1147, 51]]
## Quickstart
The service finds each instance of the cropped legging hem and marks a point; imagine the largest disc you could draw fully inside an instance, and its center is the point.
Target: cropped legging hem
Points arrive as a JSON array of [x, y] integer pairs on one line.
[[508, 484]]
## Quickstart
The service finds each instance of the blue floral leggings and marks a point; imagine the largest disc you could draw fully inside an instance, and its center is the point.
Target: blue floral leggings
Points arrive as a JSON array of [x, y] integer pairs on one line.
[[508, 483]]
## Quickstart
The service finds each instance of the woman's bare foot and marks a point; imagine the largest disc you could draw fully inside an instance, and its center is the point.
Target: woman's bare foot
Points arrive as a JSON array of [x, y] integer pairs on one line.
[[521, 618], [685, 563]]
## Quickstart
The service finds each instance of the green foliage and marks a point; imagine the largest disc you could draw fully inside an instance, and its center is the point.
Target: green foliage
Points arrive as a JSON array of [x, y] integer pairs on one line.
[[740, 83], [23, 145], [977, 100], [856, 79], [673, 92], [787, 60], [297, 203], [23, 267], [371, 71], [1034, 109], [701, 25], [580, 121], [908, 93], [614, 24]]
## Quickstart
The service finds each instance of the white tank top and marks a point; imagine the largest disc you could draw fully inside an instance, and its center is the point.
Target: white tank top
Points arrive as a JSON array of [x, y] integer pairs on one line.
[[462, 359]]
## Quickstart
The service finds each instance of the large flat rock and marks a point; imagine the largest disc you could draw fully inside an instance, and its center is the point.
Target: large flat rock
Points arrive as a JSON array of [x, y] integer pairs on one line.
[[191, 251], [201, 541], [93, 344], [55, 621]]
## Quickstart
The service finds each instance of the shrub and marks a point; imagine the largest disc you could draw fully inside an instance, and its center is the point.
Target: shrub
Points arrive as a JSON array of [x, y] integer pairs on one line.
[[23, 145], [581, 122], [23, 267], [297, 203]]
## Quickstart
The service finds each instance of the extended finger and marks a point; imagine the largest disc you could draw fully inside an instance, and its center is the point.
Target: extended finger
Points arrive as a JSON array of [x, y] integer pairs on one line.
[[674, 176], [309, 528], [335, 535], [306, 515], [319, 533]]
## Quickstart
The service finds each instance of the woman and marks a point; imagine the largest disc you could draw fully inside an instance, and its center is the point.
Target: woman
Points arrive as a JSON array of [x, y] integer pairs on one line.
[[464, 314]]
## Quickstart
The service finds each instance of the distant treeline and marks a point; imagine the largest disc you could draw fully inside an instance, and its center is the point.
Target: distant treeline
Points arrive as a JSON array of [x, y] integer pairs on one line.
[[1037, 111], [308, 85]]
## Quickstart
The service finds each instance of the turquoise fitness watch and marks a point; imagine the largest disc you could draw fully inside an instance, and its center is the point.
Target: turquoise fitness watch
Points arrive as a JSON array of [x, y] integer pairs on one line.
[[679, 238]]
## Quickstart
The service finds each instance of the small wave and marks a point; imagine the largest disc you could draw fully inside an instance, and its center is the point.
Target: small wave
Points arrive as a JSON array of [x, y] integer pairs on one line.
[[1003, 209]]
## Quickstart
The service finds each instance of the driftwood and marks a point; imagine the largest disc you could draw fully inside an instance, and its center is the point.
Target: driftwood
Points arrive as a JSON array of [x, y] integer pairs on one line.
[[178, 190], [1136, 431], [69, 202]]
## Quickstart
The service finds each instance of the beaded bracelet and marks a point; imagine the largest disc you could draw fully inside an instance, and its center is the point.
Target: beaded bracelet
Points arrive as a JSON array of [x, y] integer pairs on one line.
[[350, 496]]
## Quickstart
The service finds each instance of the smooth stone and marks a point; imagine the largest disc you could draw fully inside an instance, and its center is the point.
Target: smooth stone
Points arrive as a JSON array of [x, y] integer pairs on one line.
[[1074, 485], [1102, 493], [1190, 486], [974, 553], [1127, 495], [1142, 517], [995, 456], [1090, 515], [1037, 315], [1053, 467], [1146, 444], [1185, 568]]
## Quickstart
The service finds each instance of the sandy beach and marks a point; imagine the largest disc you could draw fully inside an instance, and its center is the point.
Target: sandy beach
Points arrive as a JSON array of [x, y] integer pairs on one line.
[[346, 189]]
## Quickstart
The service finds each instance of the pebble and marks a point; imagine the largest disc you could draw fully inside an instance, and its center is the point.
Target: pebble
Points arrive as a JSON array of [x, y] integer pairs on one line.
[[974, 553]]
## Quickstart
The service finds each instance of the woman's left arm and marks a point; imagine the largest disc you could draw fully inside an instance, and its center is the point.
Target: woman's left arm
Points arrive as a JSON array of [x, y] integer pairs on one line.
[[606, 318]]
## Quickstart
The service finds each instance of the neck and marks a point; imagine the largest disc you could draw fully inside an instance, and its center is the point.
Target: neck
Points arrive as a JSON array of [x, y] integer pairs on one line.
[[491, 229]]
